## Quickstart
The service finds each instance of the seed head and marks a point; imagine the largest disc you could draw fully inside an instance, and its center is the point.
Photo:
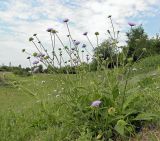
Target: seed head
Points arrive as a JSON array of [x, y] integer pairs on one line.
[[111, 111]]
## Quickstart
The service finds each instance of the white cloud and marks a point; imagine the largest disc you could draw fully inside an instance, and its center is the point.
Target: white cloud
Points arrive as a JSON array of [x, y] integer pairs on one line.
[[23, 18]]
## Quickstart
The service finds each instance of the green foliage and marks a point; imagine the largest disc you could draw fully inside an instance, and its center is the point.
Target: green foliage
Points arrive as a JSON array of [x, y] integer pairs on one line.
[[120, 127], [69, 117], [105, 54], [16, 70], [137, 40], [154, 45]]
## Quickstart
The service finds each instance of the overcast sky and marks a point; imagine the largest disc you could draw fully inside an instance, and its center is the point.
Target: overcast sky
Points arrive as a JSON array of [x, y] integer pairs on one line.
[[20, 19]]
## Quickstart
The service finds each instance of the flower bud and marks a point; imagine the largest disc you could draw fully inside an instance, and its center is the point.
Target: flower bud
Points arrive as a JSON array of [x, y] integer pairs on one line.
[[49, 29], [31, 39], [35, 54], [85, 33], [96, 33], [65, 20]]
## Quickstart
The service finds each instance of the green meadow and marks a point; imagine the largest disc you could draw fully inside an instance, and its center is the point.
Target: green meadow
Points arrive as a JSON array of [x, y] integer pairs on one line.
[[56, 107]]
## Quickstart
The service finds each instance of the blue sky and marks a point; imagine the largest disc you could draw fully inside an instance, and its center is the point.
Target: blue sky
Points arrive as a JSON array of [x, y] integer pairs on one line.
[[20, 19]]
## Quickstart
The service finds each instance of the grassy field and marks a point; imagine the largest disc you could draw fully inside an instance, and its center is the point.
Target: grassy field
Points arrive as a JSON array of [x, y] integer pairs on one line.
[[40, 107]]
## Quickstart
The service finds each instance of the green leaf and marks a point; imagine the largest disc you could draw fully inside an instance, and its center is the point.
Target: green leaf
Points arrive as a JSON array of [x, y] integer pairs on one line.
[[120, 127], [130, 100], [115, 92], [146, 116]]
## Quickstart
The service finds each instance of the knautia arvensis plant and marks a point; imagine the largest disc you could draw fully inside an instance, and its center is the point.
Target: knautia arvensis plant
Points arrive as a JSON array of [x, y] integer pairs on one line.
[[102, 108]]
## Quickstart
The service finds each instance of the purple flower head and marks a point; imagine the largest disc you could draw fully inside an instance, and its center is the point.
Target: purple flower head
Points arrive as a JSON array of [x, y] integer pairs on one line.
[[131, 24], [35, 62], [85, 33], [65, 20], [96, 103], [49, 29], [40, 55], [84, 45], [77, 43]]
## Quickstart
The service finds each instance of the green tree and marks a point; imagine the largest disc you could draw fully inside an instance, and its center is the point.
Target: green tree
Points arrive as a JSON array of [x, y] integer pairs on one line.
[[40, 68], [137, 41], [105, 54], [154, 45]]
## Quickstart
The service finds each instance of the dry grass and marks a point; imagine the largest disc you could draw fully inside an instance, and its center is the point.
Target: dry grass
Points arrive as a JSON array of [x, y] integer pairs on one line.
[[148, 135]]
